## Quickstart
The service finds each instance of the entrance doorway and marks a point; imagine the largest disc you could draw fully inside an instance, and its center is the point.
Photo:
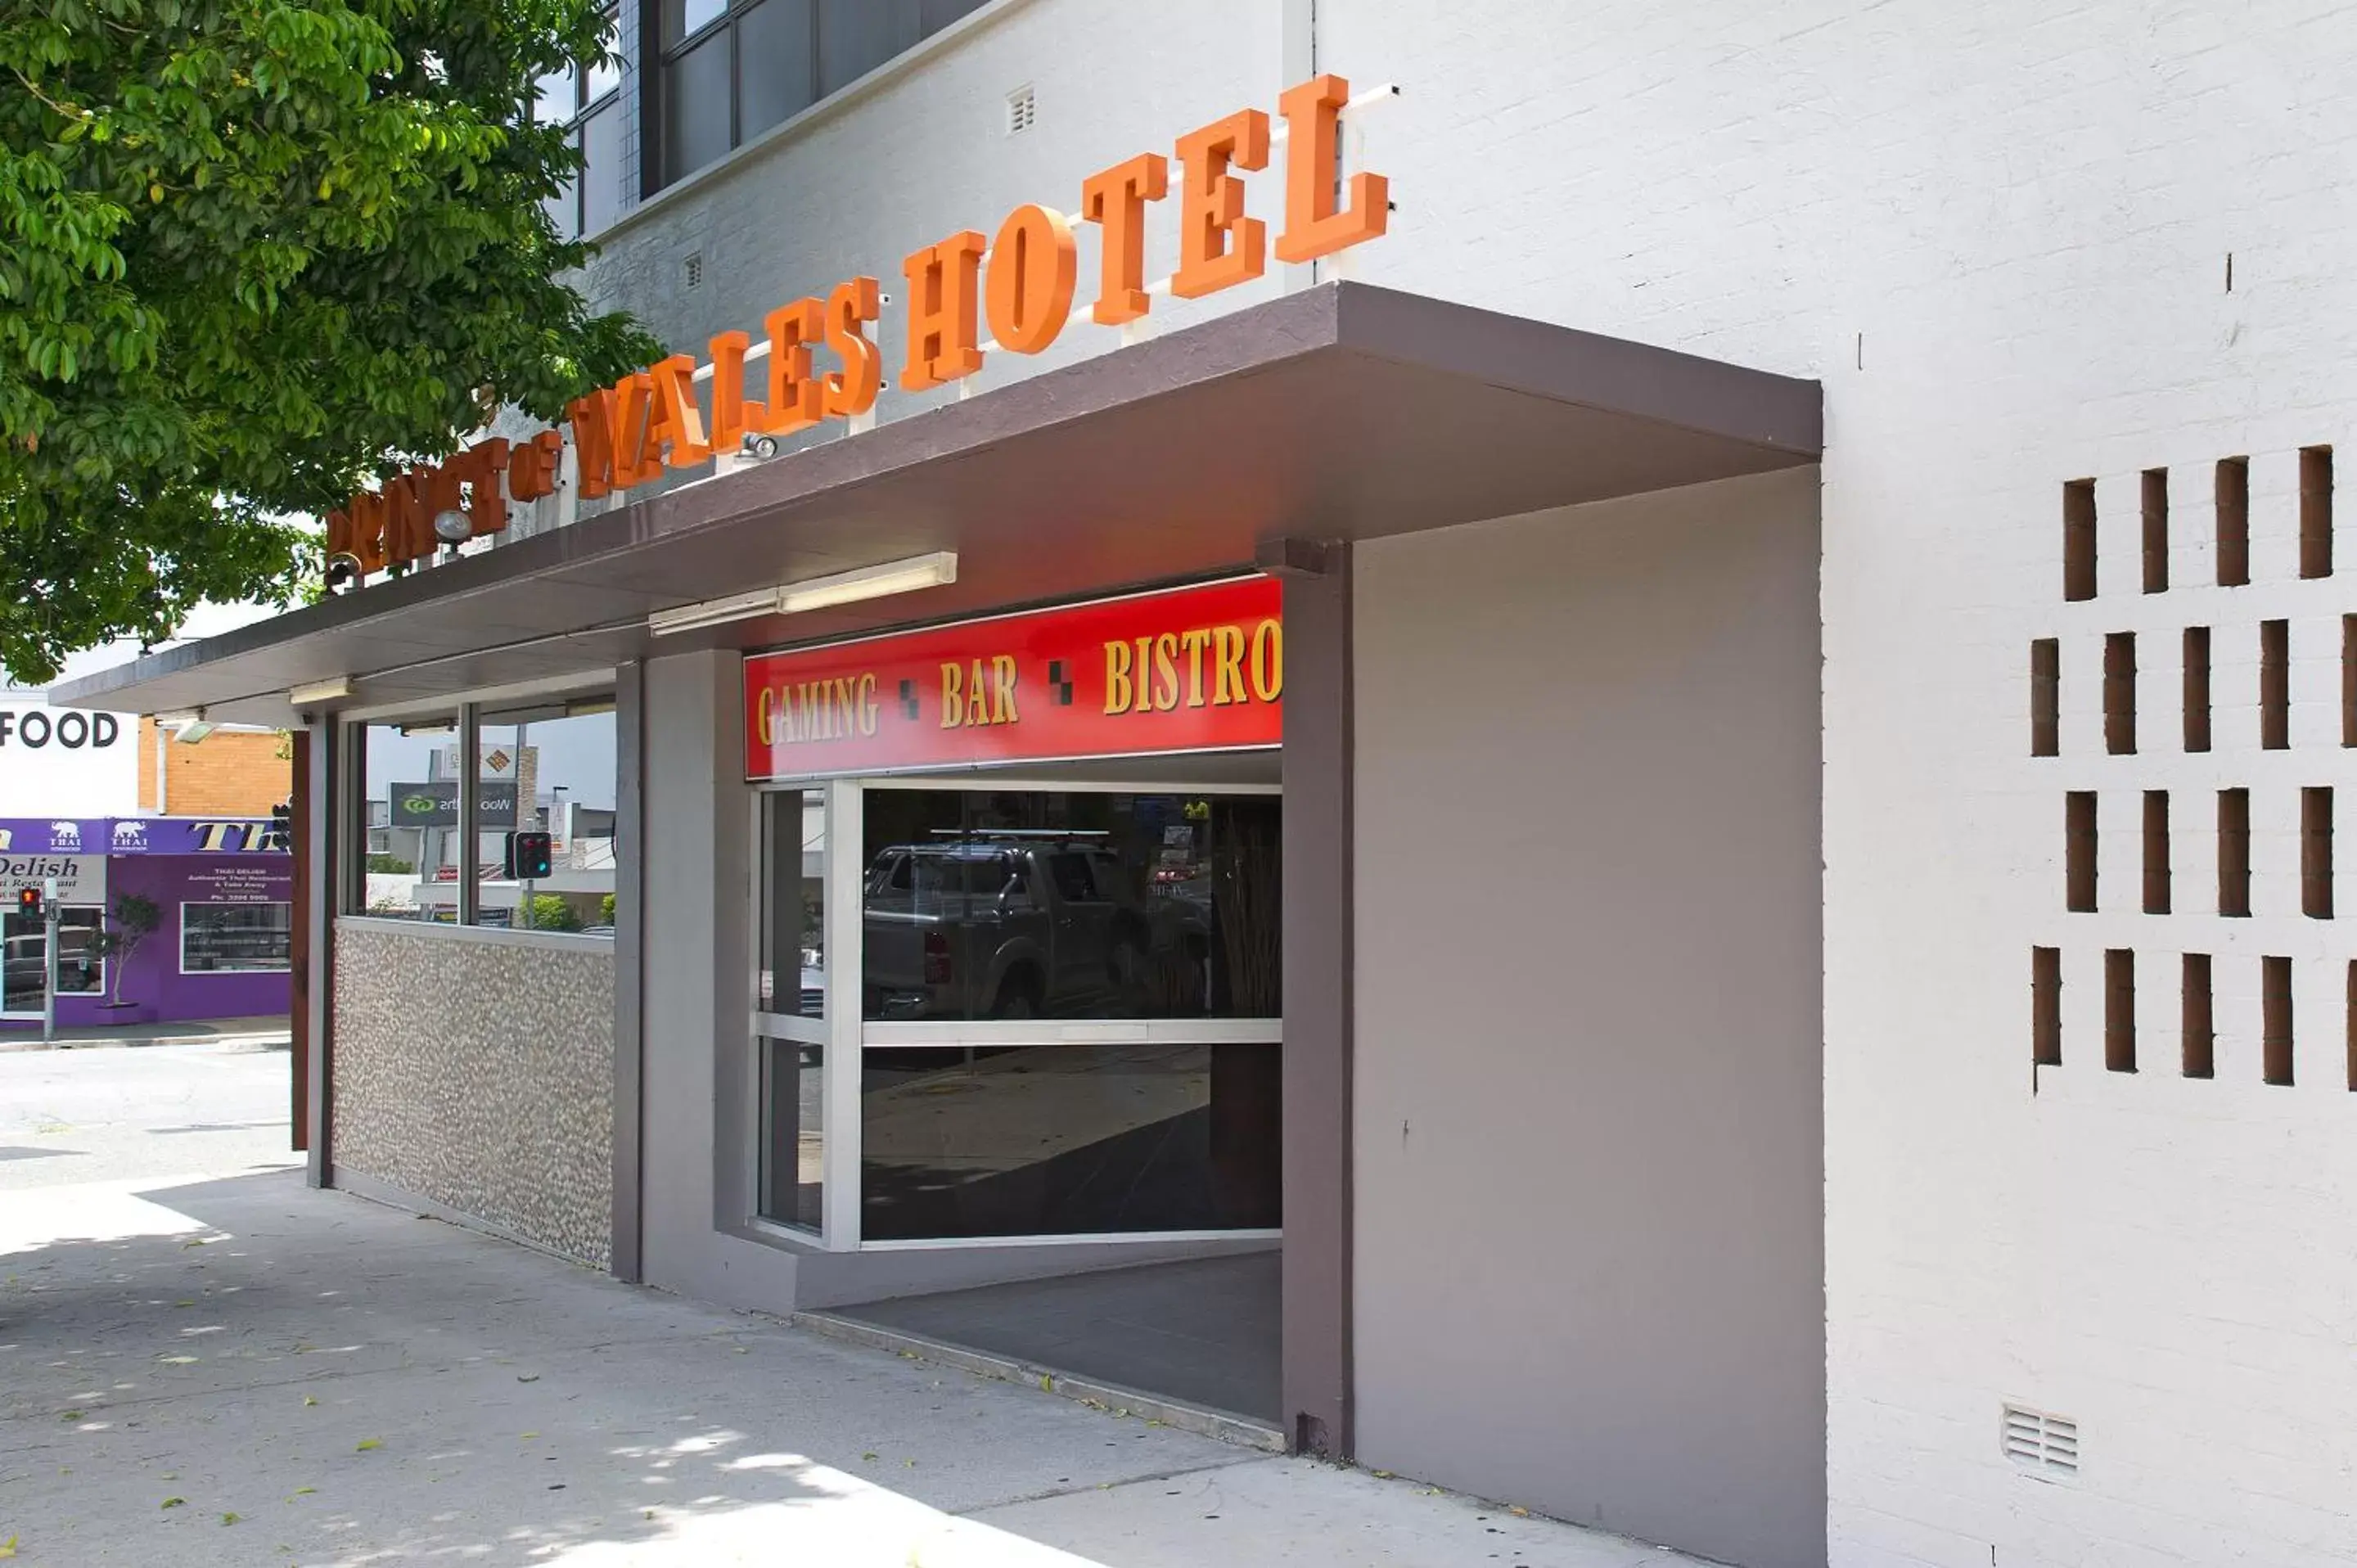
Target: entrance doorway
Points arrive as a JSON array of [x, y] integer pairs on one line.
[[1020, 1013]]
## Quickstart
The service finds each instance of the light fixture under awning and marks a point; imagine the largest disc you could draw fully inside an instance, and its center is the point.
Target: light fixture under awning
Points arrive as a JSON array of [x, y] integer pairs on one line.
[[937, 569]]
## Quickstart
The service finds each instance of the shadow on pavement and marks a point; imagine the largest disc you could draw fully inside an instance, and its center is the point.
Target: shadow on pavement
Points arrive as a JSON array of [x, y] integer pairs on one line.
[[245, 1370]]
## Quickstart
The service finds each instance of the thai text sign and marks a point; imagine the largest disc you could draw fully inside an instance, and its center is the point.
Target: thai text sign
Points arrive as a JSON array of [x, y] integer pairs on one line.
[[1189, 670]]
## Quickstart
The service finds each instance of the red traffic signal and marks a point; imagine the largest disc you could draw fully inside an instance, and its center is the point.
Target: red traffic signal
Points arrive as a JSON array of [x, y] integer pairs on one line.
[[28, 903]]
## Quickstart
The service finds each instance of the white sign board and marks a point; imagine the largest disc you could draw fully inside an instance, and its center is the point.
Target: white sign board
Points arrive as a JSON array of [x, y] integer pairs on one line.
[[63, 762], [81, 878]]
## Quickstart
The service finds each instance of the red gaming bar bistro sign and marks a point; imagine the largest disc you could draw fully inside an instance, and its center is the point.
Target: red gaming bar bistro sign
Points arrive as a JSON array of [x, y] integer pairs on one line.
[[1189, 670]]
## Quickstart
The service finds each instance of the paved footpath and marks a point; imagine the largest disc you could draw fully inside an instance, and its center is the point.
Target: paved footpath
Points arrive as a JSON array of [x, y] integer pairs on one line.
[[232, 1369]]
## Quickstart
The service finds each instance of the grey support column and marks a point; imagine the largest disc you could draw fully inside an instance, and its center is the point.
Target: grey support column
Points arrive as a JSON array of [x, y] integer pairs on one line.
[[629, 948], [1317, 1369]]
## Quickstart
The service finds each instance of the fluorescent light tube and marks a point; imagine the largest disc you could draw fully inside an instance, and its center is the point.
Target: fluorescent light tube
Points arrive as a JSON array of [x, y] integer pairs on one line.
[[937, 569], [713, 612], [318, 692]]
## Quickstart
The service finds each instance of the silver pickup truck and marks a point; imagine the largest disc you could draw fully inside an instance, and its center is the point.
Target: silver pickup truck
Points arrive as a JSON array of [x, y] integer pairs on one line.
[[1022, 928]]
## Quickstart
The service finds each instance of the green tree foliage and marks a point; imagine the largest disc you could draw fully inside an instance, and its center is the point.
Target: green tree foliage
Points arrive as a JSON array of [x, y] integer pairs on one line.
[[252, 254], [551, 912]]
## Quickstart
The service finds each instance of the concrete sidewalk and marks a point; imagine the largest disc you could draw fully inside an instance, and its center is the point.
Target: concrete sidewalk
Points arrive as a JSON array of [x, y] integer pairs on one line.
[[242, 1370], [267, 1030]]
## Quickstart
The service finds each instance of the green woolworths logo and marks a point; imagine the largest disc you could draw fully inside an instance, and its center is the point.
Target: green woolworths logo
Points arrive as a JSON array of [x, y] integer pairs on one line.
[[419, 805]]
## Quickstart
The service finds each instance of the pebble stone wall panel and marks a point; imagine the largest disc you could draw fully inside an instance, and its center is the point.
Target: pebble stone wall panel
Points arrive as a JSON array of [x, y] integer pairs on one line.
[[481, 1075]]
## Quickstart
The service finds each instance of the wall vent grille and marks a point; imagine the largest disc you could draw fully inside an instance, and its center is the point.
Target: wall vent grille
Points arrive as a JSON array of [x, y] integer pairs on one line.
[[691, 270], [2038, 1441], [1022, 110]]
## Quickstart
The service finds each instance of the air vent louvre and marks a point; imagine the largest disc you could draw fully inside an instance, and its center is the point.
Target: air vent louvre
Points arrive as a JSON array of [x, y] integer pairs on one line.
[[692, 269], [1022, 110], [2039, 1440]]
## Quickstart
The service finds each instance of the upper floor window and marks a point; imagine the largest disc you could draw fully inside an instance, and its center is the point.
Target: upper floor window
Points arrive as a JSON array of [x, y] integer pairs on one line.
[[589, 102], [732, 68]]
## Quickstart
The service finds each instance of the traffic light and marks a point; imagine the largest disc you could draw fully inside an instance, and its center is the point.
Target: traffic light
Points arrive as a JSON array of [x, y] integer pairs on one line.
[[528, 856], [28, 903]]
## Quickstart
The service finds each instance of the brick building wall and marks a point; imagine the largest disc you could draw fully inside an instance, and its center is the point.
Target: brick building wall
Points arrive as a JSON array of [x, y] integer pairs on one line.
[[230, 773]]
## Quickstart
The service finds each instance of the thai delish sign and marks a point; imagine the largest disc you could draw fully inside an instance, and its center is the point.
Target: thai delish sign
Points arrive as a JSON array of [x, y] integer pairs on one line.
[[141, 835], [1189, 670], [436, 804], [1020, 284], [81, 878]]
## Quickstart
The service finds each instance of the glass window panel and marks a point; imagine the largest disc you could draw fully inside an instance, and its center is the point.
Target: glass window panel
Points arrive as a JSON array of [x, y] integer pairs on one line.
[[793, 904], [774, 67], [601, 173], [554, 96], [696, 107], [242, 938], [564, 208], [1081, 905], [793, 1143], [682, 18], [549, 767], [1068, 1140], [854, 37], [606, 76], [410, 806], [81, 966], [938, 14]]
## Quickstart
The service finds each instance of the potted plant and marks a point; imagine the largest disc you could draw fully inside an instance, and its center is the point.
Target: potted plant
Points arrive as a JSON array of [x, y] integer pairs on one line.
[[131, 921]]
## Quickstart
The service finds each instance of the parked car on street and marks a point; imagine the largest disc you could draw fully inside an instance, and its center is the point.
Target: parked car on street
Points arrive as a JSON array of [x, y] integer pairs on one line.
[[1020, 928]]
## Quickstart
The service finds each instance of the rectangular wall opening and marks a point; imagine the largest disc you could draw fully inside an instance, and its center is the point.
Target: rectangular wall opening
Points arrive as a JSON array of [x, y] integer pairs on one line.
[[2315, 853], [2119, 693], [2079, 539], [2155, 531], [2046, 697], [2119, 1010], [2079, 851], [2156, 852], [2198, 1038], [2197, 688], [2349, 680], [2316, 511], [2235, 852], [2046, 1006], [2275, 685], [2233, 496], [2276, 1026]]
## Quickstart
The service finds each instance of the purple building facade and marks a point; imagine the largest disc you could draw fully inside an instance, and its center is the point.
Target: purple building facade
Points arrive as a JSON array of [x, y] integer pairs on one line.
[[222, 891]]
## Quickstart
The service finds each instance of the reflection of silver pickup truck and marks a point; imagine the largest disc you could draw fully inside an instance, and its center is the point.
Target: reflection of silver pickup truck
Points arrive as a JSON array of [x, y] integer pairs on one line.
[[1000, 927]]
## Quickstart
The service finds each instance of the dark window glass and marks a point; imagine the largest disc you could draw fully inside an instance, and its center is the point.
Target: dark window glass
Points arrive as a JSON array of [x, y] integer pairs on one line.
[[235, 937], [81, 969], [601, 175], [696, 107], [939, 13], [774, 75], [1076, 904], [794, 1142], [793, 904], [854, 37], [1068, 1140]]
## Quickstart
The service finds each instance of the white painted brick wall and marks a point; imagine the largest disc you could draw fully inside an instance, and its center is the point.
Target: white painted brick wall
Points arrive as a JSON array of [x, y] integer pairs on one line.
[[1998, 233]]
